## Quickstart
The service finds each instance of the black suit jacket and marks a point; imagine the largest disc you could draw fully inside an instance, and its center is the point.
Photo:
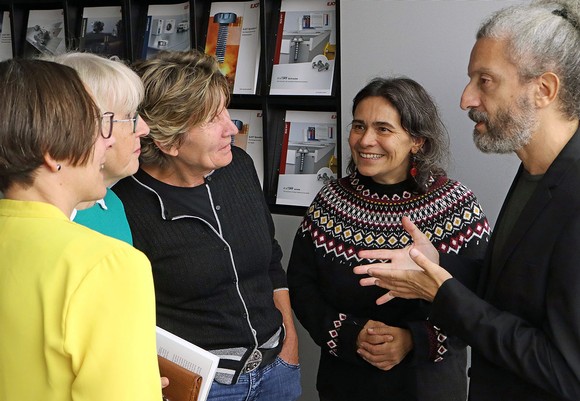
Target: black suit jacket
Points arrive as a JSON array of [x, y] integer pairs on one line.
[[524, 323]]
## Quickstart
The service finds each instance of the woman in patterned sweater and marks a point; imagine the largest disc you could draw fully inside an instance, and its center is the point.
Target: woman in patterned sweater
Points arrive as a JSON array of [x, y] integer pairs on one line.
[[389, 352]]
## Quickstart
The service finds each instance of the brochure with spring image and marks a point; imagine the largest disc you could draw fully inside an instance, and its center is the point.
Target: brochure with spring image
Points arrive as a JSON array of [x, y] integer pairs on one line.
[[168, 28], [249, 137], [308, 157], [102, 31], [5, 36], [189, 356], [233, 38], [305, 48], [45, 33]]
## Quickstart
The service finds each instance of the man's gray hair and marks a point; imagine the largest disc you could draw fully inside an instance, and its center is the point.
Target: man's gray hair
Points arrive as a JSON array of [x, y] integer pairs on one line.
[[542, 36]]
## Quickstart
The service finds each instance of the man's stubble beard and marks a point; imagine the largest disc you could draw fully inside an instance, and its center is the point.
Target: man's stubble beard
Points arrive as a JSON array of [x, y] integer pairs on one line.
[[508, 131]]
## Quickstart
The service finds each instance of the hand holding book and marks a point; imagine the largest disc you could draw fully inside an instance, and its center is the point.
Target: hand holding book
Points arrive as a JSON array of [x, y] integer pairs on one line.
[[184, 385], [189, 368]]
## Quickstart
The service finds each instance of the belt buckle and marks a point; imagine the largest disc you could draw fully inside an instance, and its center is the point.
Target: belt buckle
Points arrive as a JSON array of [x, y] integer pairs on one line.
[[253, 361]]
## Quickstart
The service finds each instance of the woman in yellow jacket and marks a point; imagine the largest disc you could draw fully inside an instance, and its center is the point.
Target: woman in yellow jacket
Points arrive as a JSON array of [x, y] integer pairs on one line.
[[76, 307]]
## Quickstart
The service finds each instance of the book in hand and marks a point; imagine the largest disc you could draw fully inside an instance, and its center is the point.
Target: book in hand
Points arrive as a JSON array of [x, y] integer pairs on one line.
[[168, 28], [45, 33], [308, 159], [233, 38], [189, 356], [305, 48], [250, 137], [184, 385], [5, 36], [102, 31]]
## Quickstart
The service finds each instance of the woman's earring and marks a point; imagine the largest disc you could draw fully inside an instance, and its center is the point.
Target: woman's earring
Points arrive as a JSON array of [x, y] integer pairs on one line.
[[58, 167], [413, 171]]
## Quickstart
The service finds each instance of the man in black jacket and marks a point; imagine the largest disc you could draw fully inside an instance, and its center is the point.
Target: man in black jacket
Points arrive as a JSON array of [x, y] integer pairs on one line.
[[523, 320]]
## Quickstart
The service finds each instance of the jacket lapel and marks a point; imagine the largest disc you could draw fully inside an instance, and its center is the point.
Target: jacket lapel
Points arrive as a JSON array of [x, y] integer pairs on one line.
[[538, 201], [540, 198]]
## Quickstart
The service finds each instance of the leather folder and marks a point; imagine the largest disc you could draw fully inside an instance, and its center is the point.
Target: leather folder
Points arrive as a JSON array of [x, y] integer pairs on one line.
[[184, 385]]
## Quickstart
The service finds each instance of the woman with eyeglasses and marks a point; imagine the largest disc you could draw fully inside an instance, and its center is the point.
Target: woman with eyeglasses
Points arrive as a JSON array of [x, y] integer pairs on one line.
[[117, 91], [77, 308]]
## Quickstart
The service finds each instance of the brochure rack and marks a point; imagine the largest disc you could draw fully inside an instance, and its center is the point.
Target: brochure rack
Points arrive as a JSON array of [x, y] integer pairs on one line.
[[131, 36]]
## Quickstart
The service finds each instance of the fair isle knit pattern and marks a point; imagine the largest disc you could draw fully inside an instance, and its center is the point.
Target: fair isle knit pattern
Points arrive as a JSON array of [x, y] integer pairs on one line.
[[355, 213], [347, 216]]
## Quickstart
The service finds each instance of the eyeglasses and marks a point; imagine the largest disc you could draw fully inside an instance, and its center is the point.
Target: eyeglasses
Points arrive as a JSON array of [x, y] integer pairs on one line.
[[107, 125], [132, 119]]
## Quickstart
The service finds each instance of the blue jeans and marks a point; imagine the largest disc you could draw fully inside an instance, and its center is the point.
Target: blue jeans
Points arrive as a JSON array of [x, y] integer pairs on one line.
[[279, 381]]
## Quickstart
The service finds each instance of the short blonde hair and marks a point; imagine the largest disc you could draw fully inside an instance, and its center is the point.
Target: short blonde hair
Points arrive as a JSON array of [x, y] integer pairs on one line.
[[182, 91], [113, 84]]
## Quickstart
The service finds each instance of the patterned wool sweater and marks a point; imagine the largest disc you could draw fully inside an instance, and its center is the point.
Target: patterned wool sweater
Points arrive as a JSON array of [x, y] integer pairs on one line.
[[355, 213]]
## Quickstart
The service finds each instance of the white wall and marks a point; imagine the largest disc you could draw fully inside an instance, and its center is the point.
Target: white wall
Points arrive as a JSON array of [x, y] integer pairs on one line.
[[429, 41], [286, 227]]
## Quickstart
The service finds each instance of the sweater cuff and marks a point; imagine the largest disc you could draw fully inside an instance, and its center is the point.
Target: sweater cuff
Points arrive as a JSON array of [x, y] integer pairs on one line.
[[278, 278], [429, 343], [437, 343], [343, 341]]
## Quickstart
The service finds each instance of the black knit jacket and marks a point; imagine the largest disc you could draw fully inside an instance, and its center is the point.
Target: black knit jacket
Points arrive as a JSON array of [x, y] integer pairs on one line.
[[211, 289]]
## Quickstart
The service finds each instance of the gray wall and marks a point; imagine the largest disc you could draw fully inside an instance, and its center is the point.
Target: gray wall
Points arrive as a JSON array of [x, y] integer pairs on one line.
[[429, 41]]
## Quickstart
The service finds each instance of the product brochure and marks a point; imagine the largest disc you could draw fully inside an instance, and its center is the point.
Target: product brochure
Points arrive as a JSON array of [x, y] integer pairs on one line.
[[305, 48], [5, 36], [102, 31], [45, 33], [189, 356], [308, 157], [167, 28], [249, 137], [233, 37]]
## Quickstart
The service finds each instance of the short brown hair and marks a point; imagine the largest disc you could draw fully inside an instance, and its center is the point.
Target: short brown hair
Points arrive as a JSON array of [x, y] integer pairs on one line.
[[46, 110], [182, 90]]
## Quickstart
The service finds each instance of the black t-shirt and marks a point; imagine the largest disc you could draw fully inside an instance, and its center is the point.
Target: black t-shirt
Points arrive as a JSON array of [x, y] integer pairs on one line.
[[520, 196], [192, 201]]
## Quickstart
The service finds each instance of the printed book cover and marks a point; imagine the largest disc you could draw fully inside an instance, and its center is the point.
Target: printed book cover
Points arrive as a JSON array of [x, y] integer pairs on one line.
[[233, 38], [308, 158], [5, 36], [45, 33], [249, 137], [168, 28], [305, 48], [102, 31]]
